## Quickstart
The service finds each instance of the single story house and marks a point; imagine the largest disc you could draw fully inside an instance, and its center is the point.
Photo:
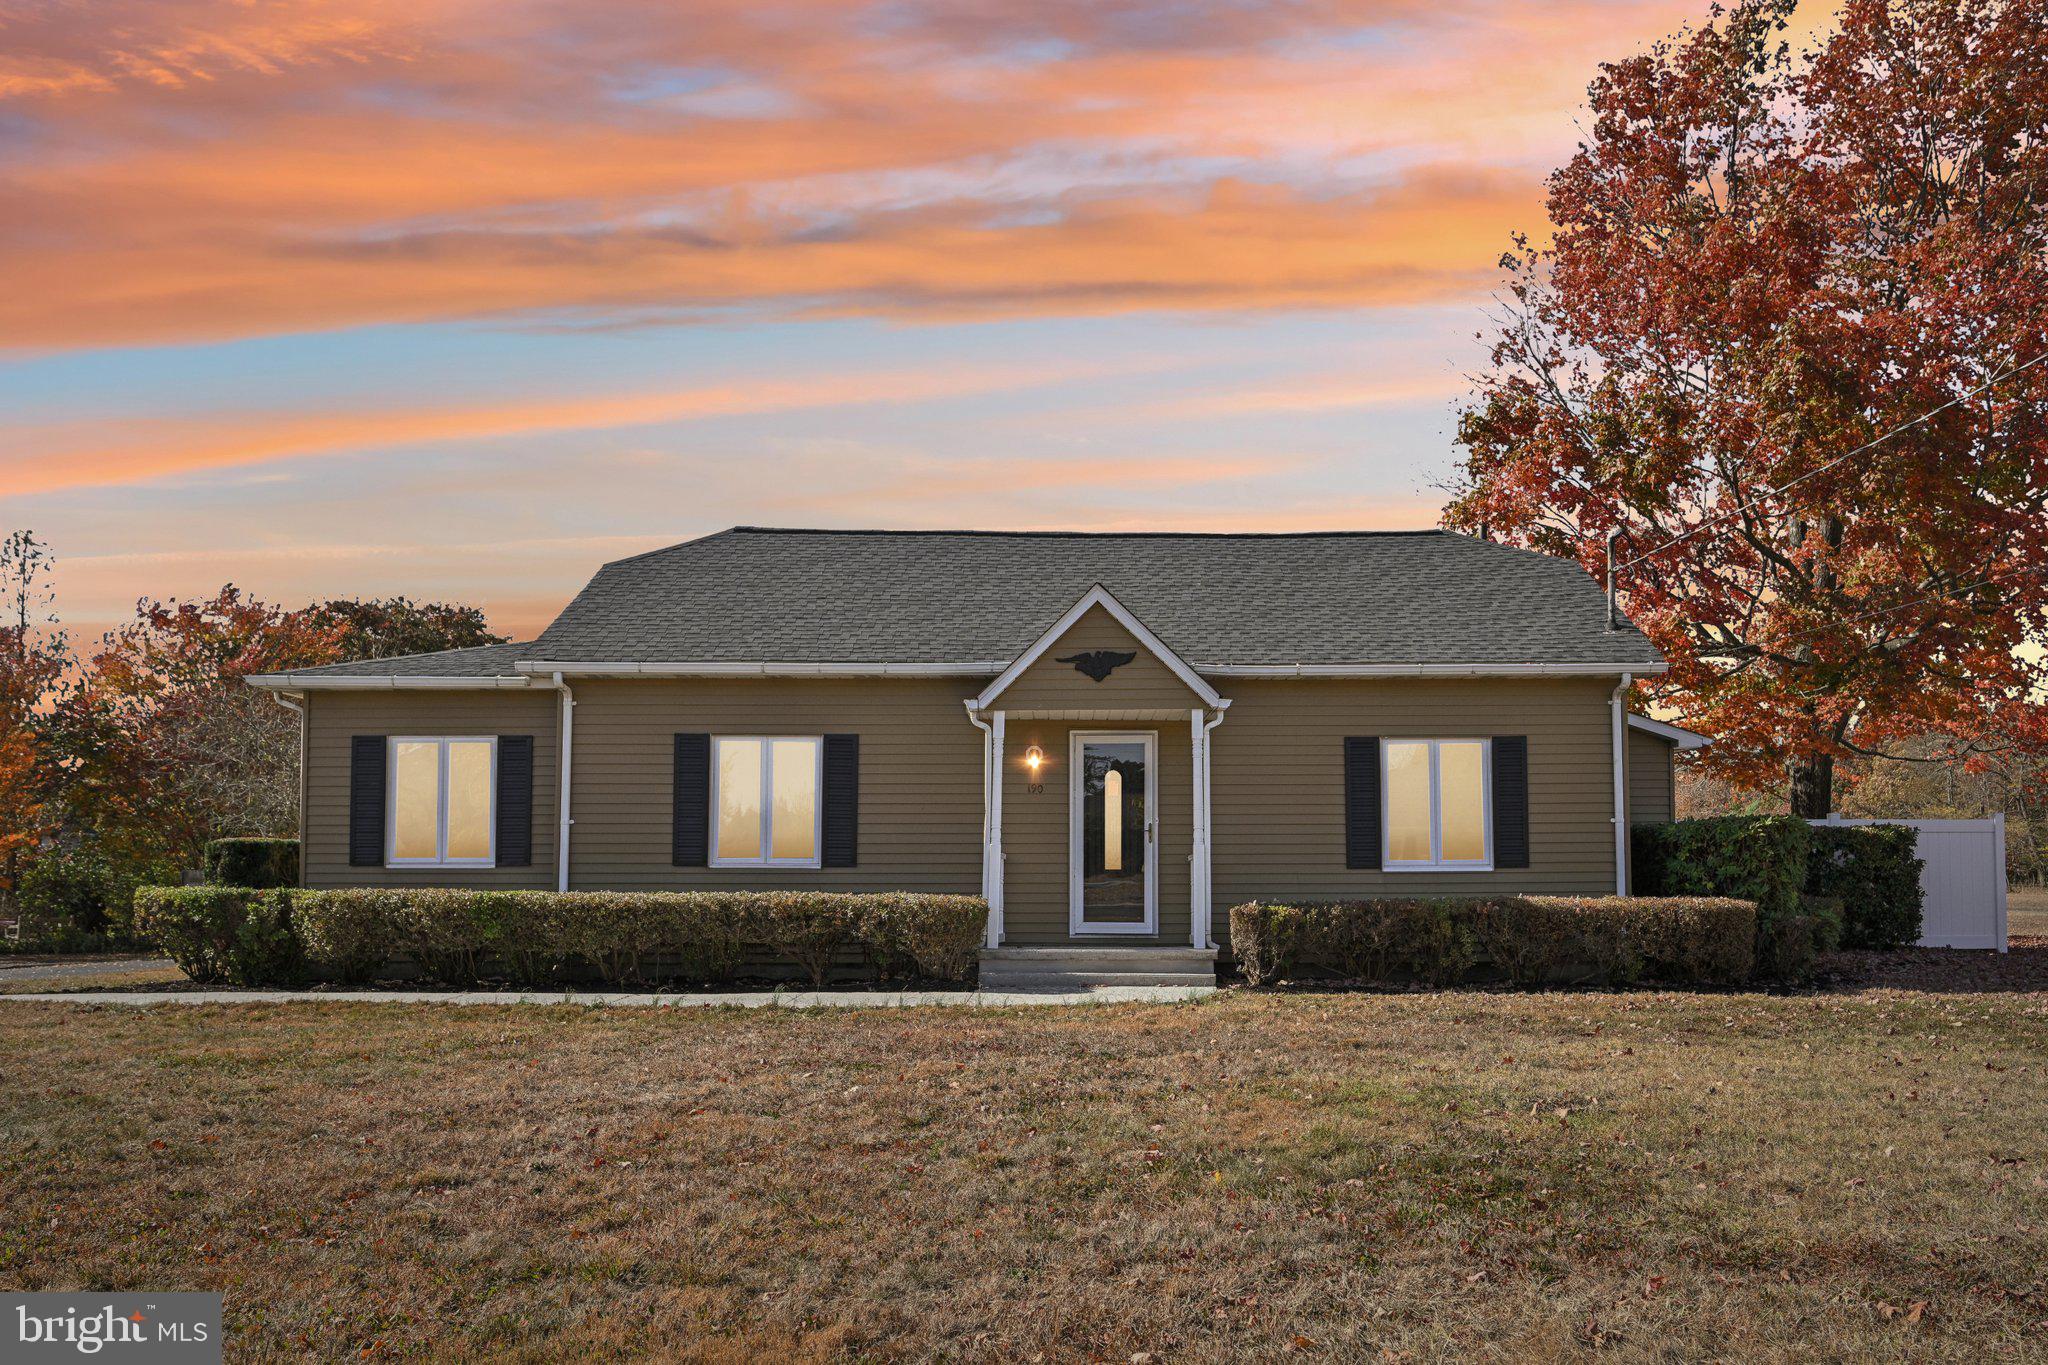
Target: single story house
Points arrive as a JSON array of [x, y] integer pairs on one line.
[[1112, 737]]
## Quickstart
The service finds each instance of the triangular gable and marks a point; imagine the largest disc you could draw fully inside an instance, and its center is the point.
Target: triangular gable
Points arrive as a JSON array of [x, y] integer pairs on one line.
[[1099, 598]]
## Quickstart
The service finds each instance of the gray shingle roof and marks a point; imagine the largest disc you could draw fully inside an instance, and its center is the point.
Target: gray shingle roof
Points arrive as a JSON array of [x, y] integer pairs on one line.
[[484, 661], [755, 594]]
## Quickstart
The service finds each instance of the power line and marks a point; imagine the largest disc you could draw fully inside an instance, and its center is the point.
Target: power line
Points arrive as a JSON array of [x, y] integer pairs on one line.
[[1849, 455]]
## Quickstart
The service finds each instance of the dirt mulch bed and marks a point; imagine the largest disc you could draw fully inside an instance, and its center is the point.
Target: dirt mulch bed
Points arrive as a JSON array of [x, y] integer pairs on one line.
[[2022, 969]]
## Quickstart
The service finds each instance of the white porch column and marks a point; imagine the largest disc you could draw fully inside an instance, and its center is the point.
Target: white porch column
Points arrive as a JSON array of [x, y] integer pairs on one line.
[[1198, 849], [992, 851]]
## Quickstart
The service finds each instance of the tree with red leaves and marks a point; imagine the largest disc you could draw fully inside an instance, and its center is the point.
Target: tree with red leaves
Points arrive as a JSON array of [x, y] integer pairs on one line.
[[32, 659], [1785, 346], [167, 746]]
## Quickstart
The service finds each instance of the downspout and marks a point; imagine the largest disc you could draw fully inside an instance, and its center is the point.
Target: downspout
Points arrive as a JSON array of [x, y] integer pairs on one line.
[[993, 937], [562, 802], [1208, 831], [297, 703], [1617, 704]]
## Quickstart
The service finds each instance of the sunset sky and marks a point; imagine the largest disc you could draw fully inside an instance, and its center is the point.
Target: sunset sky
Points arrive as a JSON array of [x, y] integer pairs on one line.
[[459, 298]]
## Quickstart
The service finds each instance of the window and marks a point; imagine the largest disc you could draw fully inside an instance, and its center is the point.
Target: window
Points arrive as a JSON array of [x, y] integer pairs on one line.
[[1437, 804], [442, 797], [766, 799]]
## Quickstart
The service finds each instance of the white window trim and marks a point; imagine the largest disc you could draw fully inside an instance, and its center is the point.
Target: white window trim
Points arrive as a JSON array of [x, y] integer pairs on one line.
[[1437, 862], [441, 743], [767, 778]]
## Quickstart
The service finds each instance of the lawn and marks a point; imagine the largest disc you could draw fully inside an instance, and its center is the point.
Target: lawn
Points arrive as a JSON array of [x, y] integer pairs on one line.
[[1405, 1176]]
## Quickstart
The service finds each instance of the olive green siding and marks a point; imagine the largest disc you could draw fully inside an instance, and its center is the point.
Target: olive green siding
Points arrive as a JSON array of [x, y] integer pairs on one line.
[[1037, 824], [1278, 794], [333, 717], [1144, 682], [1652, 797], [1278, 776], [920, 778]]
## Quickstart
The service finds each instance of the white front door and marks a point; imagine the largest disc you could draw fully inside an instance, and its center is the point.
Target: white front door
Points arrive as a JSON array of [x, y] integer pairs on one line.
[[1113, 833]]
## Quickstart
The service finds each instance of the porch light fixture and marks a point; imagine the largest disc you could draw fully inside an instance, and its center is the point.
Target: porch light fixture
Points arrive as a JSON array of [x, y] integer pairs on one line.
[[1034, 757]]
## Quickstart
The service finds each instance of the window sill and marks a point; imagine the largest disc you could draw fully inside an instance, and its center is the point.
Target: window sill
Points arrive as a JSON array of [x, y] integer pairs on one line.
[[1436, 867], [759, 865], [438, 866]]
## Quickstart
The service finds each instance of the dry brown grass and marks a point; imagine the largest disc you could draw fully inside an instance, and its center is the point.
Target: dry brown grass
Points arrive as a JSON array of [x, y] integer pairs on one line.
[[2027, 912], [1459, 1175]]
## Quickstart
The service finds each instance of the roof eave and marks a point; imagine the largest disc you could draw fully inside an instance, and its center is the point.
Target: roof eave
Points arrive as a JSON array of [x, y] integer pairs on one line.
[[375, 682]]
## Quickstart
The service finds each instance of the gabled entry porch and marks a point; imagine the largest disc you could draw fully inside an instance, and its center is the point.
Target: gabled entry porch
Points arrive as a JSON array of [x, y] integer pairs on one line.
[[1096, 793]]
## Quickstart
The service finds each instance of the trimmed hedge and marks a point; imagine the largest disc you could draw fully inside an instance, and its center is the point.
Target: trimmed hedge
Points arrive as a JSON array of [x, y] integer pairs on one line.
[[1531, 940], [1816, 887], [222, 935], [1758, 858], [1874, 870], [458, 937], [252, 862]]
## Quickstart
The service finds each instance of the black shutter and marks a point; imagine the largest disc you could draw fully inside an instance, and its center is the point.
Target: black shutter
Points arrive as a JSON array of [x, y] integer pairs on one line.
[[515, 800], [842, 801], [1510, 800], [691, 841], [1362, 801], [366, 801]]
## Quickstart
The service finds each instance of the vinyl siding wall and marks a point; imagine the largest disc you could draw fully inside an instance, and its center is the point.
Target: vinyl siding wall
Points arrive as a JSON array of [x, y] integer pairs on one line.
[[1652, 793], [1277, 765], [920, 779], [1277, 769], [333, 717], [1036, 888]]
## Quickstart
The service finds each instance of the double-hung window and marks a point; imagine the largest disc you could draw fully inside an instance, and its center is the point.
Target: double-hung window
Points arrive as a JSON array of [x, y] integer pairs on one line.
[[1438, 803], [766, 799], [441, 799]]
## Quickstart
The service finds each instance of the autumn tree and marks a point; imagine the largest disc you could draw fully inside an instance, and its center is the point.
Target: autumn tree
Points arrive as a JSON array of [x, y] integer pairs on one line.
[[1782, 344], [379, 628], [32, 659]]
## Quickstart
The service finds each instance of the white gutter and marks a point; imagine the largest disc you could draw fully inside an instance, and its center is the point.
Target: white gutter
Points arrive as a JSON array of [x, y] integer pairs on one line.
[[1545, 670], [303, 682], [982, 668], [562, 802], [991, 822], [1620, 786], [716, 669]]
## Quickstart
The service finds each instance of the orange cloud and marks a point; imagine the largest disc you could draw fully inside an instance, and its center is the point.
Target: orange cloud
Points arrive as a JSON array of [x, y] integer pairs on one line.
[[227, 168], [92, 453]]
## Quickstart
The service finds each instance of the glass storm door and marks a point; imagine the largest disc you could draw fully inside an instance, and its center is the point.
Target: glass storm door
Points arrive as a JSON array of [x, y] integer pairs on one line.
[[1113, 839]]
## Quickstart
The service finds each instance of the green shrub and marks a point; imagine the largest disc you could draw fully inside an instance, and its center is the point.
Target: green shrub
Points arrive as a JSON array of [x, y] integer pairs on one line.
[[346, 935], [811, 931], [1530, 940], [252, 862], [1788, 947], [457, 937], [1756, 858], [1689, 940], [77, 900], [1874, 870], [935, 937], [222, 935], [1263, 939]]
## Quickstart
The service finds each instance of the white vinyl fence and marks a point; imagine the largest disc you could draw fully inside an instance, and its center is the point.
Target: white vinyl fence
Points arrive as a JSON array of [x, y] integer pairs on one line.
[[1962, 871]]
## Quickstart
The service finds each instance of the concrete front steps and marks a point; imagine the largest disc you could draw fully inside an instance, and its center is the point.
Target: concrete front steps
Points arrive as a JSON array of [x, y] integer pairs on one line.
[[1005, 969]]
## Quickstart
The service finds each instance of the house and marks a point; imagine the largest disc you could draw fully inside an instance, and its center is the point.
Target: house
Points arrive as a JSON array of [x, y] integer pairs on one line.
[[1113, 737]]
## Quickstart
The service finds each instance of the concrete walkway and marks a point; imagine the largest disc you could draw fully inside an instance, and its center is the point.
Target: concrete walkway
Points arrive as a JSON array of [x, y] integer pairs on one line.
[[792, 1000]]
